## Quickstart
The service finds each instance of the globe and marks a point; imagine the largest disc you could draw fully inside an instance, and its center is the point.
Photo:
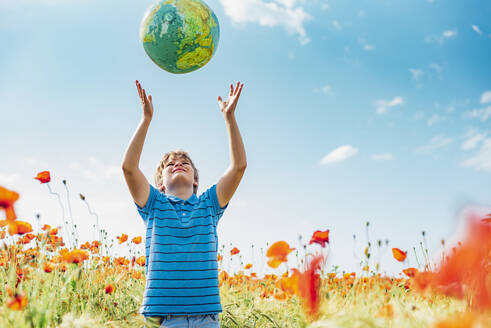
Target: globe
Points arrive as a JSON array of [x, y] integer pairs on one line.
[[180, 36]]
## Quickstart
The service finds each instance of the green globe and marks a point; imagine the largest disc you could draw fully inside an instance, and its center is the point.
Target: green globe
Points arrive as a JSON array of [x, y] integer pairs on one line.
[[180, 36]]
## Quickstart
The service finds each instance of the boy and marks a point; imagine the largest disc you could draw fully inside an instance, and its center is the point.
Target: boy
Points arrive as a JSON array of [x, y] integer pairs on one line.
[[181, 244]]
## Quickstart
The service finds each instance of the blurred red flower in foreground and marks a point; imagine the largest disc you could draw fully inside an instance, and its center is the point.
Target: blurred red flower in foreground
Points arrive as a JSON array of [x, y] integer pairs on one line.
[[399, 255], [7, 200], [17, 301], [234, 251], [466, 273], [278, 253], [309, 283], [410, 272], [320, 237], [137, 240], [43, 177]]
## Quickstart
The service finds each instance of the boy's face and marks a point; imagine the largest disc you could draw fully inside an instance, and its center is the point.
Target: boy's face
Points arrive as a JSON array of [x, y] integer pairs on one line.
[[177, 172]]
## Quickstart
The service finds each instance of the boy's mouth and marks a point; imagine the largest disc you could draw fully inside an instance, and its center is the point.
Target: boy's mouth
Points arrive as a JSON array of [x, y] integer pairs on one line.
[[176, 170]]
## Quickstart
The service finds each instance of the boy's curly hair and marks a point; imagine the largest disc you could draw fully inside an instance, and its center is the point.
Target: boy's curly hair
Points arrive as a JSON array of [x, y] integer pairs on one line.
[[163, 162]]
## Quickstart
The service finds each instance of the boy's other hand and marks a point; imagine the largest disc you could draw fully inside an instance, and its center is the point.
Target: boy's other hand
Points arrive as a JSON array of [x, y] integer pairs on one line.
[[146, 101], [228, 106]]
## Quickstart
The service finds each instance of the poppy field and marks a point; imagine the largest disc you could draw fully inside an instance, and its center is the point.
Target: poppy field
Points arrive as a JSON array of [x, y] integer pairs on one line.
[[50, 281]]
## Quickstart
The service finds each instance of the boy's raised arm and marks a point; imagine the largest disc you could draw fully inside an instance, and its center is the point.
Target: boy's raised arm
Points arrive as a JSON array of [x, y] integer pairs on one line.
[[135, 179], [230, 180]]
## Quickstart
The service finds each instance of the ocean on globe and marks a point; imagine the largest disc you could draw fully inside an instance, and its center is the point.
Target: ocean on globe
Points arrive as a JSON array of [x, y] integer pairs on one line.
[[180, 36]]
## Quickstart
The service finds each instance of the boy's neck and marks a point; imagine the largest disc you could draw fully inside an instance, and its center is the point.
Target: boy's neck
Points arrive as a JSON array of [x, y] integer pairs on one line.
[[183, 193]]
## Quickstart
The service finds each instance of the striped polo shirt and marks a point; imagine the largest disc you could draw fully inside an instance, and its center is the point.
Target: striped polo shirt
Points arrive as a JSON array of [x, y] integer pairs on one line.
[[181, 254]]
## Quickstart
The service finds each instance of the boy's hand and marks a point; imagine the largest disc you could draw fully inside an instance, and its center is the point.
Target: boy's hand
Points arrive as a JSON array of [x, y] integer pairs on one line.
[[146, 101], [228, 106]]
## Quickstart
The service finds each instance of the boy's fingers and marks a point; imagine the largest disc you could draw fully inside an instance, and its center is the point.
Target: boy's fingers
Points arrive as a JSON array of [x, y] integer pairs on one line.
[[240, 90], [150, 98], [144, 96], [231, 89], [139, 88], [237, 88]]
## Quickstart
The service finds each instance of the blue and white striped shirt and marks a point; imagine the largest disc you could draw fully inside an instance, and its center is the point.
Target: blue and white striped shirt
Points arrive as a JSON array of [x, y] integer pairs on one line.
[[181, 254]]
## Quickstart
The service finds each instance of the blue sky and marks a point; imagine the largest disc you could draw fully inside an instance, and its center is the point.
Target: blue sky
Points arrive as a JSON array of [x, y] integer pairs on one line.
[[351, 111]]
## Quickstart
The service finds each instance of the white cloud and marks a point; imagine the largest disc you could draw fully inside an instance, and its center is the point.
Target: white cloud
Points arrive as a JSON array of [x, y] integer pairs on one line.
[[434, 119], [382, 157], [326, 89], [416, 73], [336, 25], [434, 144], [481, 161], [418, 115], [482, 114], [384, 104], [324, 6], [486, 97], [366, 45], [448, 34], [472, 139], [339, 154], [438, 68], [284, 13], [476, 29]]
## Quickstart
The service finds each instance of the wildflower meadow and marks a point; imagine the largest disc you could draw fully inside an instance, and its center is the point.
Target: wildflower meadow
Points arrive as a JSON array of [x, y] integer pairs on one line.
[[47, 280]]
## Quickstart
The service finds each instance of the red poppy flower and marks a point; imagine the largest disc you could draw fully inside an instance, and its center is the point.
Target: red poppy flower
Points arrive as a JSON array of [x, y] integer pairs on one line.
[[410, 272], [109, 288], [466, 272], [278, 253], [46, 227], [309, 283], [19, 228], [320, 237], [122, 238], [137, 240], [399, 255], [7, 200], [17, 302], [75, 256], [141, 261], [234, 251], [43, 177], [48, 267]]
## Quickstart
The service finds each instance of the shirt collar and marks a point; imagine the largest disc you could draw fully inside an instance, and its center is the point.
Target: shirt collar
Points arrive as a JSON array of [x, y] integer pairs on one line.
[[191, 200]]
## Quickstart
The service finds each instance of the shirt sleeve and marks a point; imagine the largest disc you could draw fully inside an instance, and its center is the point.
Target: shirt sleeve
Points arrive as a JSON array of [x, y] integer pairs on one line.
[[211, 194], [145, 211]]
